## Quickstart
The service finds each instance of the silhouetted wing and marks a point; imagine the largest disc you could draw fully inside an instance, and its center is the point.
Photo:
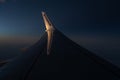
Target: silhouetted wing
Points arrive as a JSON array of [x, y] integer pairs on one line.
[[67, 60]]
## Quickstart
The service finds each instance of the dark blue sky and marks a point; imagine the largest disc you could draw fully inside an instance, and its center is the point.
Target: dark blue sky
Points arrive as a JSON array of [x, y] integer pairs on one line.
[[82, 17], [95, 24]]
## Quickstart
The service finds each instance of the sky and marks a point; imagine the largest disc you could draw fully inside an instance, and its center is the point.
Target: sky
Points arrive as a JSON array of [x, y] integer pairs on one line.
[[94, 24]]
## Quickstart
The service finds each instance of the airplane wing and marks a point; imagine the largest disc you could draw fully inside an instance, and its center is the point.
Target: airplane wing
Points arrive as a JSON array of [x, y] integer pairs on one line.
[[66, 61]]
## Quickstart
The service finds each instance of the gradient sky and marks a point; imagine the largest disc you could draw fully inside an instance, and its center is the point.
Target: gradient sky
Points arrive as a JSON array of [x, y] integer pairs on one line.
[[95, 24]]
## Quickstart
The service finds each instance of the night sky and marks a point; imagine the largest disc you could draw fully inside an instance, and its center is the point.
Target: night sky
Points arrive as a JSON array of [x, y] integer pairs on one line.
[[94, 24]]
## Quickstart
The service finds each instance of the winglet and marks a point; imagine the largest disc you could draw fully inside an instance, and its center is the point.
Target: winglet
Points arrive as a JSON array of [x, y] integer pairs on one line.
[[47, 22], [50, 30]]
